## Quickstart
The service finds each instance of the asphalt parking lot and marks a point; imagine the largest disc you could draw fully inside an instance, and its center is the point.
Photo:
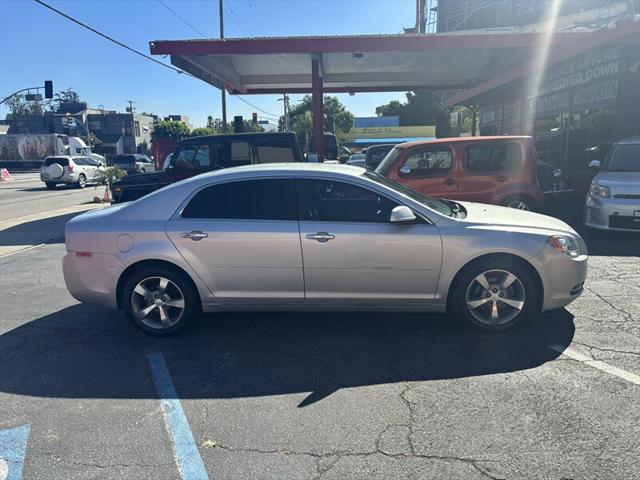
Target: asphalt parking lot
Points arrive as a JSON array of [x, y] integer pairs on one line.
[[306, 396]]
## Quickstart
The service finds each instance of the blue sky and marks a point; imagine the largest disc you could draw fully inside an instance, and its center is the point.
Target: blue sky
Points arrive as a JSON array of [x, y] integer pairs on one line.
[[37, 44]]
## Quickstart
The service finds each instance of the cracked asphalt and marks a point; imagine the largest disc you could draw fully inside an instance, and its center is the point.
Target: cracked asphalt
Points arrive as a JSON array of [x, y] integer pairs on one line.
[[325, 396]]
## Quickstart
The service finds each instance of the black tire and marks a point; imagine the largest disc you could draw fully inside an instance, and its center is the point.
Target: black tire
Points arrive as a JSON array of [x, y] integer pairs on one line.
[[520, 202], [50, 186], [82, 181], [192, 306], [466, 284]]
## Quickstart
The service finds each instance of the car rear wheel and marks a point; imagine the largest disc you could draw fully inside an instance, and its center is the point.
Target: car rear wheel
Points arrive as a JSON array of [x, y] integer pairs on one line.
[[519, 202], [82, 181], [493, 295], [160, 301], [50, 185]]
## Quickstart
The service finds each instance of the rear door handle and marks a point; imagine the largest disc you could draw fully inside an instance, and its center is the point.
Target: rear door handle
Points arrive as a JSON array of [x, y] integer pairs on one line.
[[449, 181], [501, 179], [195, 235], [321, 237]]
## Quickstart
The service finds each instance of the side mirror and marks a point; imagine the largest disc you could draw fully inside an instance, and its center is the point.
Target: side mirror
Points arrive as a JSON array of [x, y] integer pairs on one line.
[[402, 214], [595, 164], [405, 170], [313, 157]]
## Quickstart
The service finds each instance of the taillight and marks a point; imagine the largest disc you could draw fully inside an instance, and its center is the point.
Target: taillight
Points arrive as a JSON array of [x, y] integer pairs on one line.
[[70, 168]]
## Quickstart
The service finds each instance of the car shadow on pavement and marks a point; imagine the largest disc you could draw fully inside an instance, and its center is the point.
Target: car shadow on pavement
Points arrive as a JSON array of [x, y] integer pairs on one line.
[[49, 230], [85, 352]]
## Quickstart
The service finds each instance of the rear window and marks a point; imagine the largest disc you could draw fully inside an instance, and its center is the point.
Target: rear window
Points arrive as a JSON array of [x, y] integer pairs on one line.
[[60, 161], [274, 153], [492, 157], [125, 159]]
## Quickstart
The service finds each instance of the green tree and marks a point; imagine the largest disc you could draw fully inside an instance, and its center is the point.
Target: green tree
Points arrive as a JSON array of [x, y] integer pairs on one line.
[[423, 107], [303, 127], [391, 109], [170, 129], [336, 115], [249, 126], [18, 105], [200, 132], [67, 101]]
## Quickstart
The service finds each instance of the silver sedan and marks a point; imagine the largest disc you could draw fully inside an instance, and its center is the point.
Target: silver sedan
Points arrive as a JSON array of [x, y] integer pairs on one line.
[[318, 237]]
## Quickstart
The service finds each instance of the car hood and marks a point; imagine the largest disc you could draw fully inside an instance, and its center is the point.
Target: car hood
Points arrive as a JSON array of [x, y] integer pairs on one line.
[[505, 218], [619, 182], [140, 178]]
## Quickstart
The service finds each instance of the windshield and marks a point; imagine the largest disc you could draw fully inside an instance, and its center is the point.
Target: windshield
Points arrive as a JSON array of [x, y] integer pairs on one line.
[[439, 206], [623, 158], [388, 161]]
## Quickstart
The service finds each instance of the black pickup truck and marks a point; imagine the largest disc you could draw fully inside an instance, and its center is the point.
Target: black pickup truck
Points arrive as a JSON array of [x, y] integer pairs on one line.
[[202, 154]]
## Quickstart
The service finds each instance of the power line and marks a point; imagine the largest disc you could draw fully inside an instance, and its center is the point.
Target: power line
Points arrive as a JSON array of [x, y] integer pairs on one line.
[[182, 19], [113, 3], [252, 105], [111, 39]]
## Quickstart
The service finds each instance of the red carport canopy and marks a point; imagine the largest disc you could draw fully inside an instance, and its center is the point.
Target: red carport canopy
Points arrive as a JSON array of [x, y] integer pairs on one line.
[[352, 64]]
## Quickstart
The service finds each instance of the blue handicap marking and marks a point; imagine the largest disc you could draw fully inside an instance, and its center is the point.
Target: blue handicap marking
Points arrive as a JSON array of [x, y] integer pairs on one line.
[[13, 447]]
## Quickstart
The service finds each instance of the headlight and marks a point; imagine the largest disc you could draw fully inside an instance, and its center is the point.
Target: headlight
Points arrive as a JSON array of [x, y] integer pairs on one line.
[[566, 245], [599, 190]]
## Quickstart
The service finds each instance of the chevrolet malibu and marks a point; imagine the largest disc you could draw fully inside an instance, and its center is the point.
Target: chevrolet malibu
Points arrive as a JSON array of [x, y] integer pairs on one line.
[[318, 237]]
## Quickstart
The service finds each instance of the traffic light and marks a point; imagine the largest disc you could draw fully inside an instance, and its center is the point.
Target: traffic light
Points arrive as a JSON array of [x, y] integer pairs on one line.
[[48, 89], [254, 116]]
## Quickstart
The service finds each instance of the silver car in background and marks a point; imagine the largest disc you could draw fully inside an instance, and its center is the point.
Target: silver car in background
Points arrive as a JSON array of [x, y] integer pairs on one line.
[[318, 237], [70, 169], [613, 201]]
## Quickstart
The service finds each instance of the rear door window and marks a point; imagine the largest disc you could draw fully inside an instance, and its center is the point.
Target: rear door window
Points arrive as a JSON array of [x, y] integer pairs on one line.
[[427, 162], [60, 161], [492, 157], [272, 199], [274, 154]]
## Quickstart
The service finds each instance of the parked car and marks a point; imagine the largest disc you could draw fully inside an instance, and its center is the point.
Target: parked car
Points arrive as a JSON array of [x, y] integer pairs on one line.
[[496, 170], [70, 169], [202, 154], [375, 154], [290, 237], [613, 201], [357, 160], [134, 163]]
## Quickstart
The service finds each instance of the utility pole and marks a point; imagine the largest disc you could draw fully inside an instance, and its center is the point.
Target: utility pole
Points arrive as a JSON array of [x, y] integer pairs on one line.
[[285, 101], [131, 109], [224, 92]]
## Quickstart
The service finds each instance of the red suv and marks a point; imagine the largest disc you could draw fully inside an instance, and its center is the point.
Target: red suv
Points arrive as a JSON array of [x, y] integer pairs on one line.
[[497, 170]]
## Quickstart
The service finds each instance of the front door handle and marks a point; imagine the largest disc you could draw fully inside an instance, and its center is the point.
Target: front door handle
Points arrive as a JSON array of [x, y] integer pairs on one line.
[[195, 235], [501, 179], [321, 237], [449, 181]]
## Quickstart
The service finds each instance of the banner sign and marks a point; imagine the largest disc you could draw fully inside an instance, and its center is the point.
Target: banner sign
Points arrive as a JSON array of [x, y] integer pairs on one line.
[[427, 131]]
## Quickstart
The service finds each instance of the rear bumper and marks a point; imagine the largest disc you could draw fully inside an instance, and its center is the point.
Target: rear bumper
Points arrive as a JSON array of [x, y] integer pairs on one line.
[[92, 279], [612, 214]]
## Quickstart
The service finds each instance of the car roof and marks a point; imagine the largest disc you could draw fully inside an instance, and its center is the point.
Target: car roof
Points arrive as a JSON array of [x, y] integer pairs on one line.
[[628, 141], [283, 169], [436, 141], [240, 135]]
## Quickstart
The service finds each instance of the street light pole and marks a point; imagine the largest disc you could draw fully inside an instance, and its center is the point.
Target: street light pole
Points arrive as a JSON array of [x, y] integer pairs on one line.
[[224, 92], [285, 101]]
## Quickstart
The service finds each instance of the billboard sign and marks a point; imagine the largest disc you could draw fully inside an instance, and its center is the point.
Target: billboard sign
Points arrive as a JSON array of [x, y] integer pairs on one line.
[[418, 131]]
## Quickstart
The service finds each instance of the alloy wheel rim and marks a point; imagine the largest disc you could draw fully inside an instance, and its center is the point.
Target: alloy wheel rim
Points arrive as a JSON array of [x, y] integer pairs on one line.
[[495, 297], [519, 205], [158, 302]]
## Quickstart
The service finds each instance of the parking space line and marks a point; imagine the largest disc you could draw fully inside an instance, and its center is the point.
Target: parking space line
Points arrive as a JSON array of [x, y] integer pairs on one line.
[[13, 448], [599, 364], [185, 450]]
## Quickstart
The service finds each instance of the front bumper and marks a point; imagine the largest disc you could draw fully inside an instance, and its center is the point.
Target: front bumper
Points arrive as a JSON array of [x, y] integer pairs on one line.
[[92, 279], [618, 214], [562, 276]]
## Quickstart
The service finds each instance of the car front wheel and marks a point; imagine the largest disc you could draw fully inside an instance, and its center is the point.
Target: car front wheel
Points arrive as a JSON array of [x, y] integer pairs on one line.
[[160, 301], [495, 295]]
